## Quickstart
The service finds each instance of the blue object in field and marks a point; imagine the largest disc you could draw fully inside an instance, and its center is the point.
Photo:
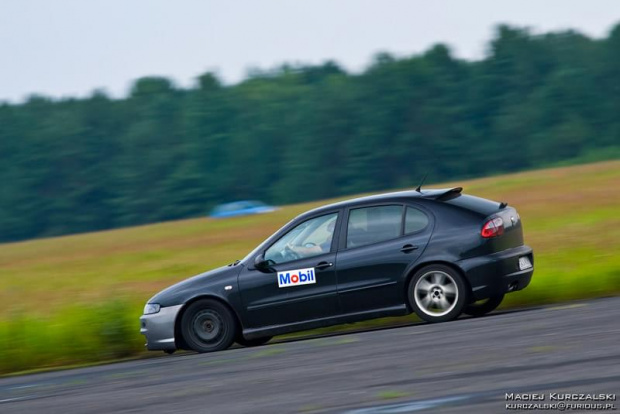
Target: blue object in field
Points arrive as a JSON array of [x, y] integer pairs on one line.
[[241, 208]]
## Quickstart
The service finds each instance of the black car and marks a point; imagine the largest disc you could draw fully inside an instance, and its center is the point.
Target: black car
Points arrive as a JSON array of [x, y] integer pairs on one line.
[[437, 253]]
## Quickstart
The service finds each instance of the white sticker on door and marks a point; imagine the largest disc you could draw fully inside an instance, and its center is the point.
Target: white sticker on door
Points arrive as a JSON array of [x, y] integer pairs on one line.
[[296, 277]]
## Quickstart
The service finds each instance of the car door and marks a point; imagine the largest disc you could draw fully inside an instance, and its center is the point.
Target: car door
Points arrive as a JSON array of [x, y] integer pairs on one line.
[[378, 244], [301, 282]]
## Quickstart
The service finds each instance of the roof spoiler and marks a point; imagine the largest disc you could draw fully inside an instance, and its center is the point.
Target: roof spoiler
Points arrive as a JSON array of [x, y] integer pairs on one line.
[[442, 194]]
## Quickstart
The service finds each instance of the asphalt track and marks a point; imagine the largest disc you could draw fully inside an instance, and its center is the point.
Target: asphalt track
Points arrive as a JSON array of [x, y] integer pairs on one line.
[[463, 366]]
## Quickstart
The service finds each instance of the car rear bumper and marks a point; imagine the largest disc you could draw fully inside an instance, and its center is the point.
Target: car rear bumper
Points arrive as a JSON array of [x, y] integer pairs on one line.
[[498, 273], [158, 328]]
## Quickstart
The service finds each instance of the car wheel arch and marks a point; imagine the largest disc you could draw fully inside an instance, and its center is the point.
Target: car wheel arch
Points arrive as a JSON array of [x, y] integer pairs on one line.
[[411, 272], [178, 335]]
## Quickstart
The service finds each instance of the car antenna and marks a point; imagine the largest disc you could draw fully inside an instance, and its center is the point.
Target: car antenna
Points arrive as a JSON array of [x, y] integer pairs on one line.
[[419, 189]]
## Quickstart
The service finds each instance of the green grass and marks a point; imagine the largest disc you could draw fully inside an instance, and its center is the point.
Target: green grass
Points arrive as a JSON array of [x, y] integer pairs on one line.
[[77, 334], [77, 299]]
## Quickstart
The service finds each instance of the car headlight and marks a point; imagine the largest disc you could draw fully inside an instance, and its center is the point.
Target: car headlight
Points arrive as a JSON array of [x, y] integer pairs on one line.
[[151, 308]]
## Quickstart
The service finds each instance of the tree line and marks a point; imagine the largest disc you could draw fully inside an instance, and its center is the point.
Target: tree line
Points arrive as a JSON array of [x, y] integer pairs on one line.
[[306, 132]]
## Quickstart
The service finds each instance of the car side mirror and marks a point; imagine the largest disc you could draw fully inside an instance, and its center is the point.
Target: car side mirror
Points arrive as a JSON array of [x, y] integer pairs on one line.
[[263, 265]]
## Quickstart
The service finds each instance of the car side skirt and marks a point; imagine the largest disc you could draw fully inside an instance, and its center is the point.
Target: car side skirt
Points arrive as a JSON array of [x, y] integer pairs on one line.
[[273, 330]]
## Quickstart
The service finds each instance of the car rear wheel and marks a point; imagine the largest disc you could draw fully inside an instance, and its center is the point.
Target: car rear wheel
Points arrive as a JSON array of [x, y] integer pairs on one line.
[[208, 326], [437, 293], [482, 307], [253, 342]]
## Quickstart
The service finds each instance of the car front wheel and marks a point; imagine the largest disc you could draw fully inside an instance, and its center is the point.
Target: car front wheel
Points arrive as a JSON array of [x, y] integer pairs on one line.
[[437, 293], [482, 307], [208, 326]]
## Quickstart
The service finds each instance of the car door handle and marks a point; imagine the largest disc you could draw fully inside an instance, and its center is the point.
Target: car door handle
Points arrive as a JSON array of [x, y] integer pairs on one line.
[[324, 265], [408, 248]]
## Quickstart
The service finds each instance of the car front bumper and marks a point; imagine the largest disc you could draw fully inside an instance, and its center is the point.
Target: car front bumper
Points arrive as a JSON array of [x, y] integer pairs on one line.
[[158, 328], [498, 273]]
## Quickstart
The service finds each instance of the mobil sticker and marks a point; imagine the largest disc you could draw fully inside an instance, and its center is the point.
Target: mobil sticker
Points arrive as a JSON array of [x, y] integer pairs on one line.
[[296, 277]]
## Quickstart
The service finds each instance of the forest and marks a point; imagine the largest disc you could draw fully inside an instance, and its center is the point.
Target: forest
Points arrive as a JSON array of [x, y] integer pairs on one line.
[[306, 132]]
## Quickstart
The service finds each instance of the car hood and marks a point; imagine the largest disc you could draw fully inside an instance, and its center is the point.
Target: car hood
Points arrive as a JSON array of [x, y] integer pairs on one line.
[[203, 283]]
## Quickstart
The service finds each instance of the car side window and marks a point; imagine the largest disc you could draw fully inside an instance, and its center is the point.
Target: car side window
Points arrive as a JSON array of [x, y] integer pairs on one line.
[[415, 220], [310, 238], [373, 224]]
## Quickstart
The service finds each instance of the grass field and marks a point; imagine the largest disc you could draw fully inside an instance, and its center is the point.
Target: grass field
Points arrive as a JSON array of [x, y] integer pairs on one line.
[[77, 299]]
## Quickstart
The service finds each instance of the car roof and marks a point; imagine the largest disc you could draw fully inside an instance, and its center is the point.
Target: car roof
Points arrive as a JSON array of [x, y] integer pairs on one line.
[[398, 196]]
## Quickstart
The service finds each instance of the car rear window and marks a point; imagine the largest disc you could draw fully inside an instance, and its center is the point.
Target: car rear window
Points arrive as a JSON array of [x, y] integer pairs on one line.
[[476, 204], [415, 220]]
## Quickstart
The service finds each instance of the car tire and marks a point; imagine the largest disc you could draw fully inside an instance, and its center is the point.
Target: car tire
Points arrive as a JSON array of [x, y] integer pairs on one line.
[[253, 342], [437, 293], [208, 325], [482, 307]]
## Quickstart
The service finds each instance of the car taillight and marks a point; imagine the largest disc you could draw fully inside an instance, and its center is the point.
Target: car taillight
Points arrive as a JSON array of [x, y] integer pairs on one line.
[[493, 228]]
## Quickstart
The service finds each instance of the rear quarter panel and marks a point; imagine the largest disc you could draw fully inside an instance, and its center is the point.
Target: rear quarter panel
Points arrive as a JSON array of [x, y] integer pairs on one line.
[[456, 235]]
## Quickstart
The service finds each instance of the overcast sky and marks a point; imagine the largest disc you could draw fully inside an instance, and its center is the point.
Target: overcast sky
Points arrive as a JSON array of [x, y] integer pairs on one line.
[[70, 47]]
